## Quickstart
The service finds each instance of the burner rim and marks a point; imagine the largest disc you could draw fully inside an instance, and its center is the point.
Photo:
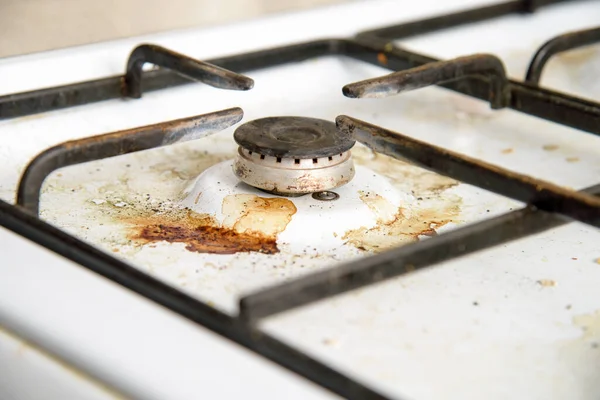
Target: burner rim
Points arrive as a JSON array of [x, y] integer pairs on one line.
[[261, 136]]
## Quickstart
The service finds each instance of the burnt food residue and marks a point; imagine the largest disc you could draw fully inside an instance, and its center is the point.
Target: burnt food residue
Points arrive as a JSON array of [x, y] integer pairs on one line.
[[250, 224], [209, 239]]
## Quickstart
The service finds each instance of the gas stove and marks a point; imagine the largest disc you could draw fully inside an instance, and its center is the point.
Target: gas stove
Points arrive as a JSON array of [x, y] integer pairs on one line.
[[404, 209]]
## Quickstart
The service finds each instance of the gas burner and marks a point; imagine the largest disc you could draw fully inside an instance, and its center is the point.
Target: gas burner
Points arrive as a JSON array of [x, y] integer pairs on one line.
[[293, 156]]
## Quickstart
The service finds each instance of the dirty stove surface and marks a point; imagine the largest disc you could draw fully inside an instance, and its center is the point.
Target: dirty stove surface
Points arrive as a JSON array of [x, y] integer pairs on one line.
[[521, 320]]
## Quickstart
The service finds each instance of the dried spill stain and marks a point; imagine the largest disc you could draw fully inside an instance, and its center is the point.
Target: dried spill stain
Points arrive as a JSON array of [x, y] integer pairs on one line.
[[546, 282], [396, 226], [403, 175], [251, 224], [550, 147]]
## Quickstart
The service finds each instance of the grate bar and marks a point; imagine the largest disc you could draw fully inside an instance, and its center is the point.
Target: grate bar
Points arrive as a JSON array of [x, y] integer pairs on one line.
[[539, 194], [402, 260], [372, 47], [115, 144], [61, 97], [435, 73], [559, 44], [543, 103], [63, 244], [548, 198], [116, 87], [194, 69], [466, 75]]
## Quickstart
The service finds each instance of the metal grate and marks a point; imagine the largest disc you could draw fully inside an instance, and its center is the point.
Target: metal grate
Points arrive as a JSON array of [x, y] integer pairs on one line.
[[481, 76]]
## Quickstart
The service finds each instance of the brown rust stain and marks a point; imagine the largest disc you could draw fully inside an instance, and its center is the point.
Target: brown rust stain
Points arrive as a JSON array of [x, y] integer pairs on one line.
[[251, 224], [209, 239], [398, 226], [382, 58]]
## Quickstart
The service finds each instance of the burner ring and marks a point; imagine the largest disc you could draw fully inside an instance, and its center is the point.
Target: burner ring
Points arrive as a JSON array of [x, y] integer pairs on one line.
[[292, 137], [293, 177]]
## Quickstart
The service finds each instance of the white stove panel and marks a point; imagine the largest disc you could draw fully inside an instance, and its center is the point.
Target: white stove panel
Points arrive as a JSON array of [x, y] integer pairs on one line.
[[519, 320], [123, 341]]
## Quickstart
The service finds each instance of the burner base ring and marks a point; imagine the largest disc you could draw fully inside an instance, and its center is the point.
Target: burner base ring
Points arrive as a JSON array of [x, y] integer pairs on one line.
[[292, 177]]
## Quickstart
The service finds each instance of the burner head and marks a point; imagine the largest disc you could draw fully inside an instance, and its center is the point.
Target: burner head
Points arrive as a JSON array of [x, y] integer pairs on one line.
[[292, 137], [293, 156]]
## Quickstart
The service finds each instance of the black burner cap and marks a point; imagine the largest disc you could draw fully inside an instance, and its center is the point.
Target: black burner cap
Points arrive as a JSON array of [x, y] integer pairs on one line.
[[292, 137]]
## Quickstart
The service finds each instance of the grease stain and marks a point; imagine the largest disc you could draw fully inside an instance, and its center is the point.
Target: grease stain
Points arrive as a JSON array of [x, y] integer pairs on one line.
[[550, 147], [397, 226], [404, 175], [546, 282], [251, 224]]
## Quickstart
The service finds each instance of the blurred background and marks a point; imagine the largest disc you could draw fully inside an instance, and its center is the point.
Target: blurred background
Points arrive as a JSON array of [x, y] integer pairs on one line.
[[28, 26]]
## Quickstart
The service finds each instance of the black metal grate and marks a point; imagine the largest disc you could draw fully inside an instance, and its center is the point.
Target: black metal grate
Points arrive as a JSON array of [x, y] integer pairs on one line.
[[480, 76]]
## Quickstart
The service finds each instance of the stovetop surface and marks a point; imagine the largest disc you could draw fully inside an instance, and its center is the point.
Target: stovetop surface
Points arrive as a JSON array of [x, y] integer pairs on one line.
[[519, 320]]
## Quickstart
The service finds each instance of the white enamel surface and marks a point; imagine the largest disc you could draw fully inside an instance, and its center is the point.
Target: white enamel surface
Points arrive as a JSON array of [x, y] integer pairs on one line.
[[121, 339], [421, 336], [27, 373]]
